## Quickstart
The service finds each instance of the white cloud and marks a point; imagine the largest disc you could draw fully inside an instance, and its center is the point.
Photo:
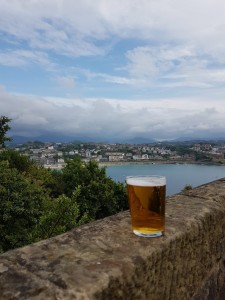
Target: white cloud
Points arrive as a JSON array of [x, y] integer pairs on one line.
[[161, 118], [173, 66], [66, 82], [25, 57], [72, 27], [168, 66], [63, 27], [184, 40]]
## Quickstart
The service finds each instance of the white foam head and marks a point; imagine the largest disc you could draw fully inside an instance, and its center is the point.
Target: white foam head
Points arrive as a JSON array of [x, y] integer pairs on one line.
[[153, 180]]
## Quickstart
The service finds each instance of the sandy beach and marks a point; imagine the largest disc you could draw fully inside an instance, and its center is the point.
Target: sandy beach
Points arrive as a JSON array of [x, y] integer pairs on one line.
[[156, 162]]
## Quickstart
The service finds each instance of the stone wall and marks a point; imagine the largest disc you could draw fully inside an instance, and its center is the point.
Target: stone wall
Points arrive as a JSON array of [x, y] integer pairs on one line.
[[105, 260]]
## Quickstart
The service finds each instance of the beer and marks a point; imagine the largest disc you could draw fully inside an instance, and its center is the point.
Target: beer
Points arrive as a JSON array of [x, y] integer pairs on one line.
[[146, 196]]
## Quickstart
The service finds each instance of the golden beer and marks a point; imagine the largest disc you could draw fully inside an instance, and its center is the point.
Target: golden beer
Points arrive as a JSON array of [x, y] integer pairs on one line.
[[146, 196]]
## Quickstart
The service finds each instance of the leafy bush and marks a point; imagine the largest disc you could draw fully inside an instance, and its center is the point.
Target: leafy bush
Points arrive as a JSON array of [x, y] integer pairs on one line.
[[187, 188], [60, 215], [20, 208], [37, 203], [99, 195]]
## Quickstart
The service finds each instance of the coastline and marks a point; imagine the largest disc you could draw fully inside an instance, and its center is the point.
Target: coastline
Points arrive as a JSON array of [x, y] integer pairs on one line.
[[144, 162], [157, 162]]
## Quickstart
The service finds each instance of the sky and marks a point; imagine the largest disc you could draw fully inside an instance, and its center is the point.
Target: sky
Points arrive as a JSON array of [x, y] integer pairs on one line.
[[113, 69]]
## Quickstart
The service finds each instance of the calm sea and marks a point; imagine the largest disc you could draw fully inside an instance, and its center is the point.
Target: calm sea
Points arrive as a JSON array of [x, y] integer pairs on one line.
[[177, 175]]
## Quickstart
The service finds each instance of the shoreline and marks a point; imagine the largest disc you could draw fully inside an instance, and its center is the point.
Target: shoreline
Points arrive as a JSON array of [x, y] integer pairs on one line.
[[157, 162], [144, 162]]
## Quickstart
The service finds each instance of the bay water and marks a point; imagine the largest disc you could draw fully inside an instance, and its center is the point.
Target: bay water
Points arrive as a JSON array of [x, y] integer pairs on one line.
[[177, 175]]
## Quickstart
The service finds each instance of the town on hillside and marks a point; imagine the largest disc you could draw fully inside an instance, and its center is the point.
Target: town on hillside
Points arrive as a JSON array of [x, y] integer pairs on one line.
[[55, 155]]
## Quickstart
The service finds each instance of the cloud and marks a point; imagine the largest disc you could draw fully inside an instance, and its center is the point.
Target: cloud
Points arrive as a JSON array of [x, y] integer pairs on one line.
[[110, 118], [166, 67], [72, 27], [174, 66], [183, 41], [66, 82], [62, 27], [25, 57]]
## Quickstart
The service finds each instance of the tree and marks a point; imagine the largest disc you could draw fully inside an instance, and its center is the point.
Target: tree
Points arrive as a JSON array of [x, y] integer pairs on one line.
[[28, 211], [60, 215], [49, 181], [200, 156], [20, 208], [99, 195], [36, 203], [4, 127], [16, 160]]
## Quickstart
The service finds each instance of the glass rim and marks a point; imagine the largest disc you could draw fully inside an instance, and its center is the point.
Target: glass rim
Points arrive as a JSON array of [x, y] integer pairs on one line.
[[141, 176], [142, 180]]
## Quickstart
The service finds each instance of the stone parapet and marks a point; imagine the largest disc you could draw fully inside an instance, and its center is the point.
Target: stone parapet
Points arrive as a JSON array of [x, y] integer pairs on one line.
[[105, 260]]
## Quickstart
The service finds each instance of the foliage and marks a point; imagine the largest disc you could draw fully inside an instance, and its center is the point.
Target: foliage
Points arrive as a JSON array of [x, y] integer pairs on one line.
[[202, 156], [60, 215], [49, 181], [15, 160], [99, 195], [20, 208], [187, 188], [4, 127], [183, 149], [33, 144], [28, 214], [37, 203]]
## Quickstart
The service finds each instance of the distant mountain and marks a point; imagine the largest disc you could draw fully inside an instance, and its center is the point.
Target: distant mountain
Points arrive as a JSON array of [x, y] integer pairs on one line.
[[139, 140], [198, 139], [43, 138], [59, 138], [20, 140], [56, 138]]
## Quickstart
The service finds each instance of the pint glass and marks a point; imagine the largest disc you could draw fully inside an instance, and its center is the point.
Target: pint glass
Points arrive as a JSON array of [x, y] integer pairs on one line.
[[146, 196]]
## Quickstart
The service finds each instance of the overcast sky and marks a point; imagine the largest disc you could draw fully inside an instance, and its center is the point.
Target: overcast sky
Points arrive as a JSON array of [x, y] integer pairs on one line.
[[113, 68]]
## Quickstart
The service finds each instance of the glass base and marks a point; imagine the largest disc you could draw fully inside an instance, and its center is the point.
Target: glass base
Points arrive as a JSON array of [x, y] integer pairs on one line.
[[155, 234]]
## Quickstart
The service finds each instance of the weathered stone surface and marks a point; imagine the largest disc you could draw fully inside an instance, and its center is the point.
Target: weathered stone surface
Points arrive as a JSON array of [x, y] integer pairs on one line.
[[105, 260]]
